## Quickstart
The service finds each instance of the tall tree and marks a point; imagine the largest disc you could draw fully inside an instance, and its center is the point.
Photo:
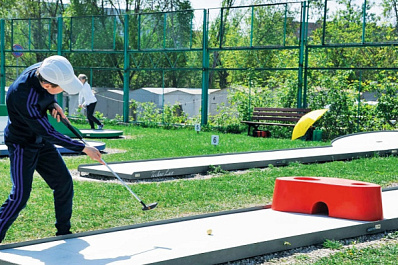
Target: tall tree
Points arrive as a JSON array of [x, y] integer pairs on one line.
[[390, 10], [221, 27]]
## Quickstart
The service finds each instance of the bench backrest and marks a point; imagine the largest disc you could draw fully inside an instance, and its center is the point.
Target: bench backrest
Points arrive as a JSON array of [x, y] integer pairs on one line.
[[279, 114]]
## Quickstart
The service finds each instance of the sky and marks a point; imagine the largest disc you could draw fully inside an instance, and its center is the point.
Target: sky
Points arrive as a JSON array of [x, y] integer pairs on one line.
[[201, 4]]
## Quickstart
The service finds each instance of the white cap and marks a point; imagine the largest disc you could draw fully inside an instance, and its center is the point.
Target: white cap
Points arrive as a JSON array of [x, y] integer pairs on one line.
[[58, 70]]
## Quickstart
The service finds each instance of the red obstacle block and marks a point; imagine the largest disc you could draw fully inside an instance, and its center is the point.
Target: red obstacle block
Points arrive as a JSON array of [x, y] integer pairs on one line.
[[341, 198]]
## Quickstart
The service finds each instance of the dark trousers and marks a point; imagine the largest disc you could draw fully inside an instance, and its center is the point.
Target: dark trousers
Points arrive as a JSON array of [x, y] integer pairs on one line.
[[47, 161], [90, 115]]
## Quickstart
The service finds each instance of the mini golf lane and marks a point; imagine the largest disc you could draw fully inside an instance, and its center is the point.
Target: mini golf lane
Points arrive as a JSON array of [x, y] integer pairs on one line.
[[105, 133], [342, 148], [99, 145], [235, 235]]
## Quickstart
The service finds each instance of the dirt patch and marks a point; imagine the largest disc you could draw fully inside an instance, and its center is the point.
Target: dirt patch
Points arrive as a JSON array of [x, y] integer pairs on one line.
[[114, 151]]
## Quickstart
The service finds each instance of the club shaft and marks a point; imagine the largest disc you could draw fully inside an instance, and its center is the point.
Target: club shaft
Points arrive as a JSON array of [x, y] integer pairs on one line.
[[124, 183], [66, 122]]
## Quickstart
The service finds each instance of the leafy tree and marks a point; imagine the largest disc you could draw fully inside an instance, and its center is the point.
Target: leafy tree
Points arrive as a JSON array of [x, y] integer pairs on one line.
[[390, 10], [219, 30]]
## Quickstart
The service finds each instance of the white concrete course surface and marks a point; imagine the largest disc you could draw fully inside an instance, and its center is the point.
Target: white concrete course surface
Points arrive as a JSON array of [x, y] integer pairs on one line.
[[346, 147], [168, 243], [99, 145]]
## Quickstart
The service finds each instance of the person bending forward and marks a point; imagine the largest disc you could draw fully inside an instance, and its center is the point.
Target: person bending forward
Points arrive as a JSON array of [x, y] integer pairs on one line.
[[31, 140]]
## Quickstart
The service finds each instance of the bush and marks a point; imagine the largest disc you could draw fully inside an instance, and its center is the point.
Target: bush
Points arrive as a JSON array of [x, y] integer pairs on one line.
[[149, 115], [339, 93], [335, 90]]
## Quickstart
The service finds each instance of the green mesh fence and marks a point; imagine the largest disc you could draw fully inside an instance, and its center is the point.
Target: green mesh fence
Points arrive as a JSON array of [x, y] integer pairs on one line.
[[290, 51]]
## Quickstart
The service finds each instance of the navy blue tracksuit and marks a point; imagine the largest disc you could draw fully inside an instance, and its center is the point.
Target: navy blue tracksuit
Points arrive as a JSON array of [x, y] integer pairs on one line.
[[30, 139]]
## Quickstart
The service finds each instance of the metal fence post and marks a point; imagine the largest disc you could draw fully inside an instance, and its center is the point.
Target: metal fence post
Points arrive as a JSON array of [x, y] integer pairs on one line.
[[359, 99], [3, 63], [303, 43], [126, 72], [305, 94], [59, 52], [205, 71]]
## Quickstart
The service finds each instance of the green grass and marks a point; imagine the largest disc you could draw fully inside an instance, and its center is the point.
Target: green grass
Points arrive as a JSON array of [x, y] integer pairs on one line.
[[332, 244], [385, 254], [100, 205]]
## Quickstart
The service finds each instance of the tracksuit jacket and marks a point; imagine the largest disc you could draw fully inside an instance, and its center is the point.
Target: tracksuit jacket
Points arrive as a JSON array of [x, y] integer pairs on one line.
[[30, 139]]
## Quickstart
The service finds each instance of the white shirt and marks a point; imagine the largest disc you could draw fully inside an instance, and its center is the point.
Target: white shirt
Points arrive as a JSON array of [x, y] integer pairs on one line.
[[87, 95]]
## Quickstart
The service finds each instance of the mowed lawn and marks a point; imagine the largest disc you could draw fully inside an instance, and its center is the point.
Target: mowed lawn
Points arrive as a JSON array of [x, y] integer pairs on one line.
[[106, 204]]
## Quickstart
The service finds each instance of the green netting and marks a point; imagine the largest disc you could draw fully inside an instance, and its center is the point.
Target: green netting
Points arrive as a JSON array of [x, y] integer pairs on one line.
[[259, 45]]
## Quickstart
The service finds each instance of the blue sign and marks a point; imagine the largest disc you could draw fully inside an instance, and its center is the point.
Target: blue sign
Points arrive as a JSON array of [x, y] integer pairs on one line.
[[16, 50]]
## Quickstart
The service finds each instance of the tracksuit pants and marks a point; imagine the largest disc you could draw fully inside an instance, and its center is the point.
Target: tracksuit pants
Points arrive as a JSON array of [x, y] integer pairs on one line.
[[47, 161], [90, 115]]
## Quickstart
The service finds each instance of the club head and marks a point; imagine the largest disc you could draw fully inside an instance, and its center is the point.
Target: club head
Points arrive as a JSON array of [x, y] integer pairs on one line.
[[150, 206]]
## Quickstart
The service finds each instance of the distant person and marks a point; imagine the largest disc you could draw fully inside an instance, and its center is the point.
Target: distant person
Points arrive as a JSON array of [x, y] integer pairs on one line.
[[88, 100]]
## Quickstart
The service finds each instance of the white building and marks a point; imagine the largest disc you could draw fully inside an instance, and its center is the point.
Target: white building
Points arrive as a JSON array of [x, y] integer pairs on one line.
[[110, 102], [190, 99]]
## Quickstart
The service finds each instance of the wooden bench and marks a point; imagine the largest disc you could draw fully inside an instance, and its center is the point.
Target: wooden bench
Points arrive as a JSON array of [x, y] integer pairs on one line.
[[274, 117]]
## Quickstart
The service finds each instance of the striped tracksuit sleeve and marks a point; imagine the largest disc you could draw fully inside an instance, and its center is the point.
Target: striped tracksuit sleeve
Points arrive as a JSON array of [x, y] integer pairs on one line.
[[38, 123]]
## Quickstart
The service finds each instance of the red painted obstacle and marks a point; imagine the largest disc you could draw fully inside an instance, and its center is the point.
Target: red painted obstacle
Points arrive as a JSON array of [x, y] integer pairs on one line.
[[341, 198]]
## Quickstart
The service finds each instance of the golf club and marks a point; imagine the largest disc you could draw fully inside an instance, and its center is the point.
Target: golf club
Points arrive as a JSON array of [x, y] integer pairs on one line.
[[73, 130]]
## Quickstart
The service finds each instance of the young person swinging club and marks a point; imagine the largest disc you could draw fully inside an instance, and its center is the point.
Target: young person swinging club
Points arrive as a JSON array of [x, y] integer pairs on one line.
[[30, 139]]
